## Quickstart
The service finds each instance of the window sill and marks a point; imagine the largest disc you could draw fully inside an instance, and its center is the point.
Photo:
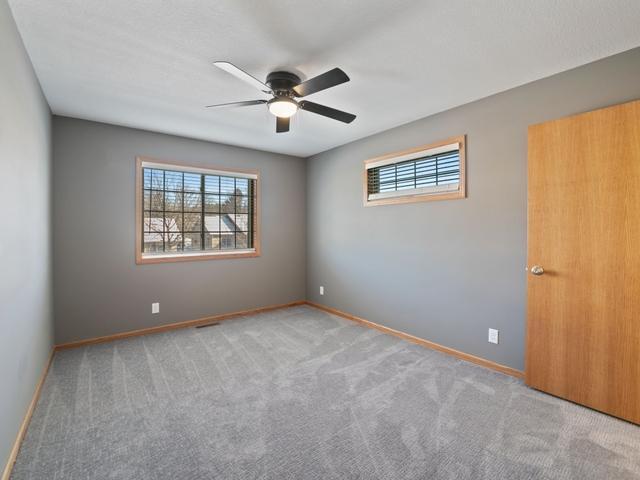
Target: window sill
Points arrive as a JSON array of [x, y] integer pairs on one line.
[[423, 197], [190, 257]]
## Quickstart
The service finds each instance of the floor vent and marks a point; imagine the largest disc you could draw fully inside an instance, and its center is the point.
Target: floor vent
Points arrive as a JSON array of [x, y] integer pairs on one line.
[[208, 325]]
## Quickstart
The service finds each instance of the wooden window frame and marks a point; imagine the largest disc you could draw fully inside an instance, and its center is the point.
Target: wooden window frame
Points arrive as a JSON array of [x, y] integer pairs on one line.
[[142, 259], [419, 197]]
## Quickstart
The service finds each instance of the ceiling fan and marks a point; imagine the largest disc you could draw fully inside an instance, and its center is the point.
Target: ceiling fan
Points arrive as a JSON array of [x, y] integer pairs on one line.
[[286, 87]]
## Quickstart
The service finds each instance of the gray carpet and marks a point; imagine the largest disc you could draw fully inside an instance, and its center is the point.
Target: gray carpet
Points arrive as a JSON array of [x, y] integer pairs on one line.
[[301, 394]]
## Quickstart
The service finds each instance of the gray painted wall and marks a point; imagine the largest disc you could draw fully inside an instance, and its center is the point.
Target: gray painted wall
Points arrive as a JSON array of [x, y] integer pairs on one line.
[[98, 288], [447, 271], [26, 330]]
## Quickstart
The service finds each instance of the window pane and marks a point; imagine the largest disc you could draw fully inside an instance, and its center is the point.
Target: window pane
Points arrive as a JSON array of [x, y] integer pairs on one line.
[[212, 184], [425, 182], [426, 173], [157, 179], [227, 223], [192, 202], [227, 185], [172, 221], [172, 201], [212, 223], [174, 244], [153, 222], [426, 167], [192, 182], [157, 200], [147, 200], [241, 240], [405, 184], [172, 224], [242, 204], [153, 242], [405, 171], [212, 203], [228, 203], [241, 222], [212, 241], [146, 178], [387, 178], [227, 241], [173, 181], [192, 222], [242, 186], [192, 241], [449, 171]]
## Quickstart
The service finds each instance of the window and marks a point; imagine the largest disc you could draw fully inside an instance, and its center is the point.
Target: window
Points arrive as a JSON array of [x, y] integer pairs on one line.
[[190, 213], [429, 172]]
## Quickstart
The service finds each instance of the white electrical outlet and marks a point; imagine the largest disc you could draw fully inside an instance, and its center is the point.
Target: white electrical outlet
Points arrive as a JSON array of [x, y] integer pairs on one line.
[[321, 290], [155, 308], [493, 335]]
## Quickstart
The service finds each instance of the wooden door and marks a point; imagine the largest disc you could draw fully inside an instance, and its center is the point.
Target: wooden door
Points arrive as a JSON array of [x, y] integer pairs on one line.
[[583, 313]]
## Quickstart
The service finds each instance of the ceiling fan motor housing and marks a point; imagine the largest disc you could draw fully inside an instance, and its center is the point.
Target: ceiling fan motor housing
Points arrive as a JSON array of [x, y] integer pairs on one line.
[[282, 83]]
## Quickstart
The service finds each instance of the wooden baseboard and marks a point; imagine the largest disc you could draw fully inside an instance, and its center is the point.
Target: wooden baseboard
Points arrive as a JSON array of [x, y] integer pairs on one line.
[[175, 326], [425, 343], [25, 422]]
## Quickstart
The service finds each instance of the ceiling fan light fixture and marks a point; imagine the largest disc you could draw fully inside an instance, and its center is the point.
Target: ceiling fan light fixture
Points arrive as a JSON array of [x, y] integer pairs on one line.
[[285, 88], [282, 107]]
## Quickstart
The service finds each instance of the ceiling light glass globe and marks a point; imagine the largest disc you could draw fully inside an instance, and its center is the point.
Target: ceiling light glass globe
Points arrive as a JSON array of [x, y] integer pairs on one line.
[[283, 107]]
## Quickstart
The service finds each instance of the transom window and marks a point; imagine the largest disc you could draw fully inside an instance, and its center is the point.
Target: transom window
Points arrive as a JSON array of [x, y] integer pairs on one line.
[[430, 172], [191, 213]]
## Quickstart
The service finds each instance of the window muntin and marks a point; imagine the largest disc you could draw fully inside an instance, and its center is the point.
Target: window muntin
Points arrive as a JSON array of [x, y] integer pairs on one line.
[[433, 171], [189, 212]]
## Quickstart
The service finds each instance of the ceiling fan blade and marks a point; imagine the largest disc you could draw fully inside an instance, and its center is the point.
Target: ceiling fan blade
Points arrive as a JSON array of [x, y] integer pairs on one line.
[[248, 103], [321, 82], [242, 75], [282, 124], [327, 111]]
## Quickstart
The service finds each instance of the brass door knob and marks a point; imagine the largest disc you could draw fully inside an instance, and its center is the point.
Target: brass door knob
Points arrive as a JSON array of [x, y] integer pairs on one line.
[[537, 270]]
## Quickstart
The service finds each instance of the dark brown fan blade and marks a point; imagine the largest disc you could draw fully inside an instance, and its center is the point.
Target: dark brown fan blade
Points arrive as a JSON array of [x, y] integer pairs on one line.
[[282, 124], [327, 111], [242, 75], [321, 82], [248, 103]]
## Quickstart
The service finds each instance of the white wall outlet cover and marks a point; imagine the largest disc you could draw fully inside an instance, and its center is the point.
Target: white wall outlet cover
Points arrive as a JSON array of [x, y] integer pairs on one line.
[[321, 290], [493, 335], [155, 308]]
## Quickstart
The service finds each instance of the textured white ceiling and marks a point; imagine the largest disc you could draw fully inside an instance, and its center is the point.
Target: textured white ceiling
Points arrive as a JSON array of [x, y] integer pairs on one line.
[[147, 63]]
